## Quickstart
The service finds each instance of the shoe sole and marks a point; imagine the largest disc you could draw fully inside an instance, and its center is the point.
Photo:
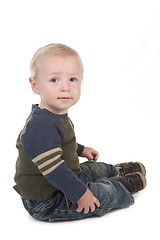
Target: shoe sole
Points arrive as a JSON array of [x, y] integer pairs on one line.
[[143, 170], [144, 181]]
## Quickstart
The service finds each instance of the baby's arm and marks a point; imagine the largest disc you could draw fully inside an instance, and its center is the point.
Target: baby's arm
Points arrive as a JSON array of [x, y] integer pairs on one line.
[[87, 202]]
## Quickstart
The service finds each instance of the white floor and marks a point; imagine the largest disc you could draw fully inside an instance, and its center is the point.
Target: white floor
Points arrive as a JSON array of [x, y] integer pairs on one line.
[[136, 222]]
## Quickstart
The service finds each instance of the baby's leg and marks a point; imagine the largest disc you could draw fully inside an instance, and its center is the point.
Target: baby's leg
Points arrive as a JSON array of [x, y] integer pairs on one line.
[[111, 195], [96, 170]]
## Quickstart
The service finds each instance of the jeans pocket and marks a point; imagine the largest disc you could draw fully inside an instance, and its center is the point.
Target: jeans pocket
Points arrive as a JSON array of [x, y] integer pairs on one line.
[[28, 204], [36, 208], [40, 209]]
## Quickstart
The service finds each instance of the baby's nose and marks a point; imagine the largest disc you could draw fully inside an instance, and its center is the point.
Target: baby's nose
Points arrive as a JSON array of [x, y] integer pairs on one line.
[[64, 86]]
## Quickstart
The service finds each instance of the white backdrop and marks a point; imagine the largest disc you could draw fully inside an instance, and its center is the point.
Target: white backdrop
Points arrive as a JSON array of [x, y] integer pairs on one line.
[[119, 110]]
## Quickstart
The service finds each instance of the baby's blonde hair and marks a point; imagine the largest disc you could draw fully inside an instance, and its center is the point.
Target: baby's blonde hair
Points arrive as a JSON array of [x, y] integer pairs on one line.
[[54, 49]]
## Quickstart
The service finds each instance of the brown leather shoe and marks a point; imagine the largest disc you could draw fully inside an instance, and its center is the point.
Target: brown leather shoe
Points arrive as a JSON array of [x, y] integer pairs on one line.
[[134, 182], [131, 167]]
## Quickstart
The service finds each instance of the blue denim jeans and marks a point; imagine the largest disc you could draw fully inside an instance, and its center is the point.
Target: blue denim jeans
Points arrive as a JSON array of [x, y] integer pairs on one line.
[[110, 193]]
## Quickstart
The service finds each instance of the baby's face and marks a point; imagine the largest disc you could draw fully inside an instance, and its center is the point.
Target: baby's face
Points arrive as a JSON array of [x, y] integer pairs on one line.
[[59, 82]]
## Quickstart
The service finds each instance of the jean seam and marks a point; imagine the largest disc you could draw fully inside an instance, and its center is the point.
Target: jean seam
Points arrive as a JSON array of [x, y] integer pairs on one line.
[[129, 194], [107, 207]]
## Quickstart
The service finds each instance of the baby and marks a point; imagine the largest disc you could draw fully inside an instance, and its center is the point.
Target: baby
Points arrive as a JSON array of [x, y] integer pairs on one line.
[[52, 183]]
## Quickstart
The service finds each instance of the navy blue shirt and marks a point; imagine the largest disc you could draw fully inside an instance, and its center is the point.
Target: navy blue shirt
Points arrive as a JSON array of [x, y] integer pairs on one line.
[[49, 142]]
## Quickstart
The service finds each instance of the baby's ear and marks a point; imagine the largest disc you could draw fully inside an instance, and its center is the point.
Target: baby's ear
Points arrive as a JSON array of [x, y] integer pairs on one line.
[[34, 85]]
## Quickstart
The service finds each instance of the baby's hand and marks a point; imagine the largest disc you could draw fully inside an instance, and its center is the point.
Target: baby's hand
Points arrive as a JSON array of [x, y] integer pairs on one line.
[[87, 202], [90, 154]]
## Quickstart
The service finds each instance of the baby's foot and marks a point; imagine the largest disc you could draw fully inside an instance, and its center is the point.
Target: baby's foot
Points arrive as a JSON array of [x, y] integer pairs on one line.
[[131, 167]]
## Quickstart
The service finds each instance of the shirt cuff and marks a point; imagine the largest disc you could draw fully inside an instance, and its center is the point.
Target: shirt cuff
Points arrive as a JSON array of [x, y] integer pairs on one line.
[[80, 149]]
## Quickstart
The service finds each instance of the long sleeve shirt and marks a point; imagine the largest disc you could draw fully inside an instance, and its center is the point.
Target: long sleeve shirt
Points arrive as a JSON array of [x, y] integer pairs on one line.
[[48, 157]]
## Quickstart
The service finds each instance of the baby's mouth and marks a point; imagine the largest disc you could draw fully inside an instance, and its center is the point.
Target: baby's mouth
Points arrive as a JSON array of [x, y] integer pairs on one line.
[[64, 98]]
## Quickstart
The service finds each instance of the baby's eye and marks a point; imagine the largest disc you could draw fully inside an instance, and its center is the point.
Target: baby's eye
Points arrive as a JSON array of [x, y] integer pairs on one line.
[[54, 80], [72, 79]]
